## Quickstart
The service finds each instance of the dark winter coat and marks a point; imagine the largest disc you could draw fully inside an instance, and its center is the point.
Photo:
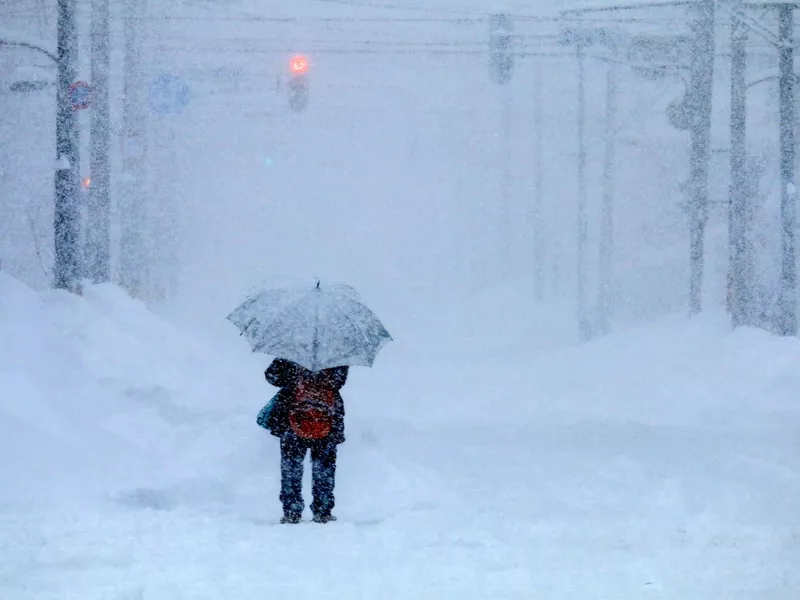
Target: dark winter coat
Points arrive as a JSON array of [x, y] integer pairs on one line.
[[285, 374]]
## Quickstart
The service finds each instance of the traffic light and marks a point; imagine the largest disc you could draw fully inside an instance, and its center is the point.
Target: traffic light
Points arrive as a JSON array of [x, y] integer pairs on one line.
[[298, 82], [299, 65], [501, 59]]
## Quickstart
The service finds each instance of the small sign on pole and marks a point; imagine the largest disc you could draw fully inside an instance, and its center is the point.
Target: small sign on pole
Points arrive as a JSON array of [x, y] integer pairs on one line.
[[80, 95], [169, 95]]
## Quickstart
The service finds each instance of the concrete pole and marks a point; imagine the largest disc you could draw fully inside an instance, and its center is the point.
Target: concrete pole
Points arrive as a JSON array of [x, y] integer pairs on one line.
[[584, 325], [98, 235], [609, 190], [538, 200], [738, 301], [787, 323], [66, 215], [700, 102]]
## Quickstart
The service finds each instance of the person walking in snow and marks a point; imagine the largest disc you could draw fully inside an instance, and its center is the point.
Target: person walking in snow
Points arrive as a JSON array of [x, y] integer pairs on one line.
[[307, 414]]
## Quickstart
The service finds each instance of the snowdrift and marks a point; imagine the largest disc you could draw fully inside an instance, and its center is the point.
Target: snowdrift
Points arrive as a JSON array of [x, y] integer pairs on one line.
[[98, 391]]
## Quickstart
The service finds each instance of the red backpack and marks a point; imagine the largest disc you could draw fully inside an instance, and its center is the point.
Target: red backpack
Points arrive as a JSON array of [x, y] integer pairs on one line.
[[312, 410]]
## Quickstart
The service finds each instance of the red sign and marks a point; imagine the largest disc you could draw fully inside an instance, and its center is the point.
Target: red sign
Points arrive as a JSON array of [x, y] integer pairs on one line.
[[299, 65], [80, 95]]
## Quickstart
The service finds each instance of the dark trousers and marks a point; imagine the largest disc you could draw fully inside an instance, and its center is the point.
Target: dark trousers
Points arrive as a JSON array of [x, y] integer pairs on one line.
[[323, 473]]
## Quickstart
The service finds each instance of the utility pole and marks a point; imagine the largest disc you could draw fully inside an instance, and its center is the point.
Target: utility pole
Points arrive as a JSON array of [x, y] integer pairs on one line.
[[738, 286], [609, 189], [507, 233], [584, 326], [132, 263], [98, 236], [538, 201], [787, 323], [66, 219], [700, 97], [501, 69]]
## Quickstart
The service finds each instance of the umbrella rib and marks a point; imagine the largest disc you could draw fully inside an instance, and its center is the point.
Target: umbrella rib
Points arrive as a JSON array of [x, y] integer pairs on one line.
[[246, 327], [356, 327], [274, 320]]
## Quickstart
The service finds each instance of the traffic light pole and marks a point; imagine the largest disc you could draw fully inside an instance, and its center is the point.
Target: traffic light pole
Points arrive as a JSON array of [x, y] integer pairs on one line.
[[501, 66], [66, 220]]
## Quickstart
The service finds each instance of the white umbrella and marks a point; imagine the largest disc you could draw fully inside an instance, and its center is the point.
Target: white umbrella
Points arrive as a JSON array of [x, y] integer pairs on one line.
[[317, 327]]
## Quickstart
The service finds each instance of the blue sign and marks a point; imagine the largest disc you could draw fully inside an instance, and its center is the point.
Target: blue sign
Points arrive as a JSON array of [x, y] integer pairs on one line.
[[169, 95]]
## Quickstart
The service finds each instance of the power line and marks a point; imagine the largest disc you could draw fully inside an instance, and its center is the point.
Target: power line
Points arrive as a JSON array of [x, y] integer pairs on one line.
[[626, 7], [251, 42], [465, 20], [307, 20], [361, 51], [301, 20]]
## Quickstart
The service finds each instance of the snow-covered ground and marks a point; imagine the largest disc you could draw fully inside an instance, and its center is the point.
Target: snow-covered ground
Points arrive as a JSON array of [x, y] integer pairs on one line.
[[492, 461]]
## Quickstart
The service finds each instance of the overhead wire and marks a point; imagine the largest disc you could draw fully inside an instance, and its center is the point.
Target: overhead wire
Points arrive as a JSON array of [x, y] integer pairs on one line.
[[627, 7]]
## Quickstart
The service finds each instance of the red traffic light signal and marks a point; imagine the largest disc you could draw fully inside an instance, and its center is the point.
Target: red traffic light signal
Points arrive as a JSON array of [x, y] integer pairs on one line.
[[298, 65]]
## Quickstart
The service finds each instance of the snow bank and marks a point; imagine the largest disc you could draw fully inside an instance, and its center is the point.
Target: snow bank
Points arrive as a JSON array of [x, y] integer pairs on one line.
[[98, 391]]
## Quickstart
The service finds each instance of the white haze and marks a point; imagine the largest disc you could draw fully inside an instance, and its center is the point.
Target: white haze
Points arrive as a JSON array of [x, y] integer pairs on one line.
[[392, 178]]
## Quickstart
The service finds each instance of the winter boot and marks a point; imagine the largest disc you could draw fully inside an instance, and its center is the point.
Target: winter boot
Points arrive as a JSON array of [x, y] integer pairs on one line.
[[323, 518], [291, 518]]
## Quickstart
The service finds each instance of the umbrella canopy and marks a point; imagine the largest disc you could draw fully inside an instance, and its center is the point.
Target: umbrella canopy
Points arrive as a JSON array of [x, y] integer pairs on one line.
[[316, 327]]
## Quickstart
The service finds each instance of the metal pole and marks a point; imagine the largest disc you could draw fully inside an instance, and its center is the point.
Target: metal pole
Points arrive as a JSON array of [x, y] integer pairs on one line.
[[66, 217], [538, 216], [132, 262], [584, 327], [787, 324], [609, 189], [738, 301], [700, 98], [98, 236]]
